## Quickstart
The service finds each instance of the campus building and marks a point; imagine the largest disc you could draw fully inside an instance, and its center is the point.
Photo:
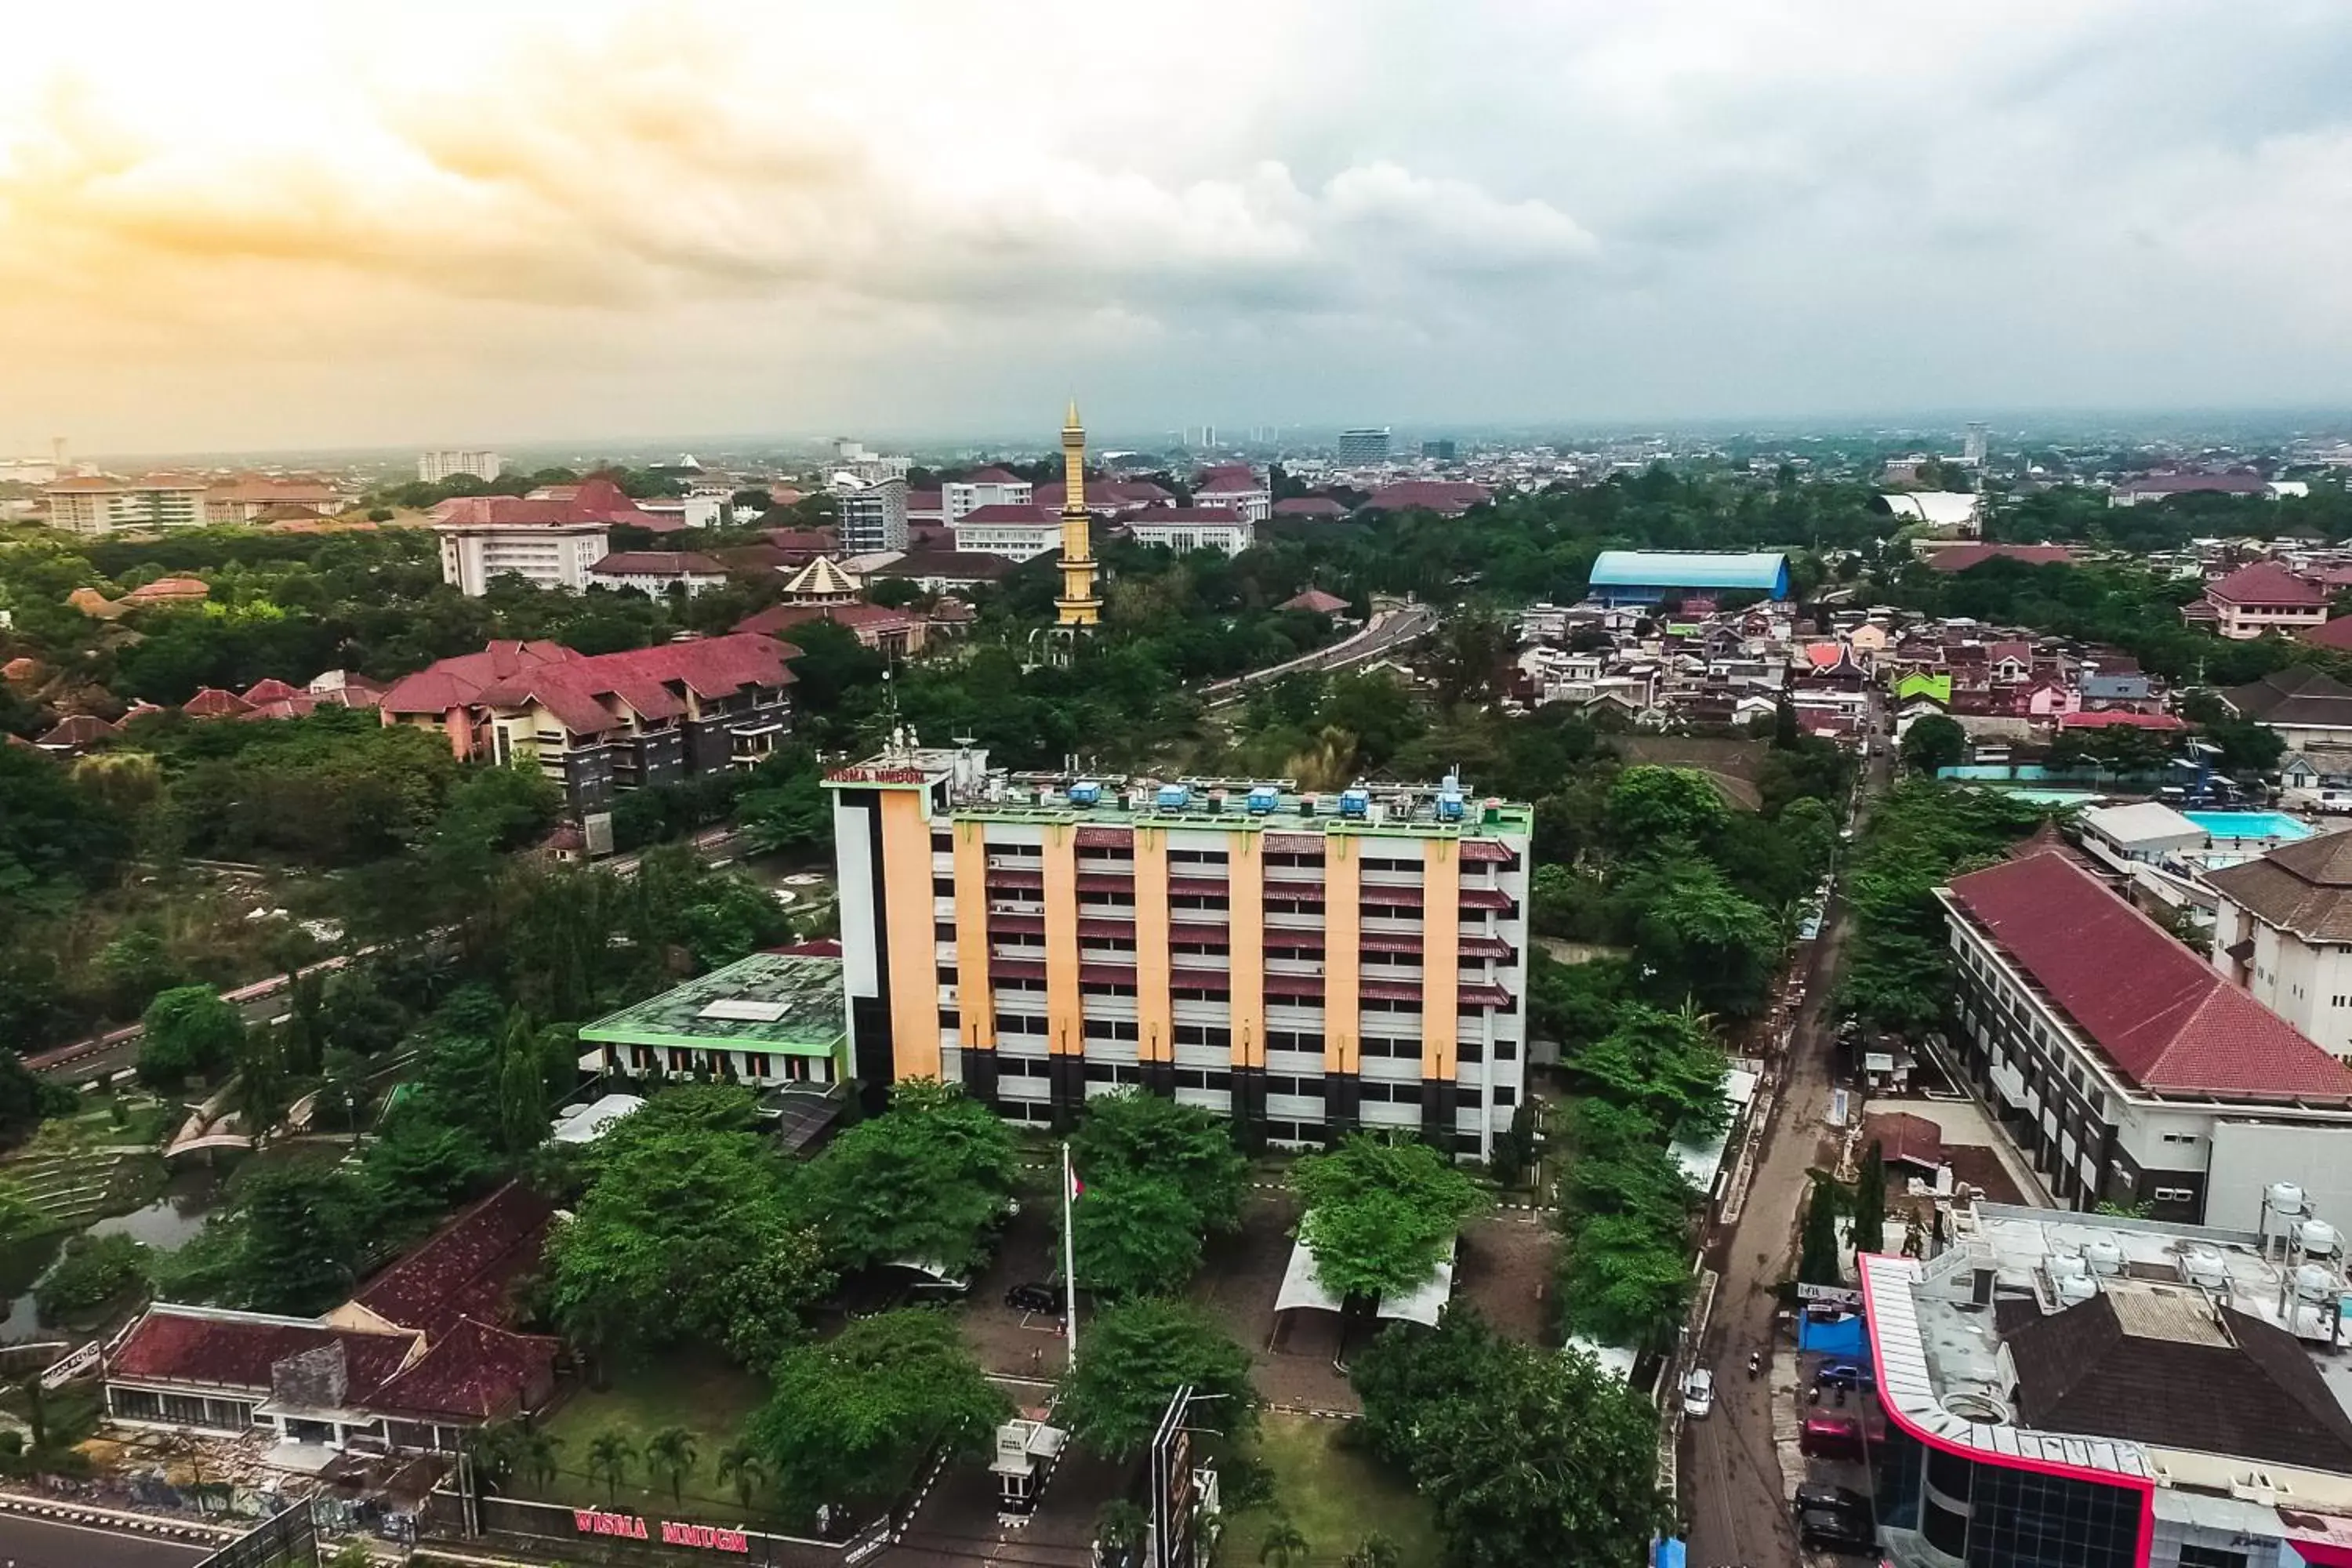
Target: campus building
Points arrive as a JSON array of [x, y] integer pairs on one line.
[[2096, 1392], [2124, 1068], [91, 506], [1305, 964]]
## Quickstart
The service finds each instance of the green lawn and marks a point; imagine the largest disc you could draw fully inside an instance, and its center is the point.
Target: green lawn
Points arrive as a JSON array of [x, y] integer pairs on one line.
[[1332, 1494], [705, 1394]]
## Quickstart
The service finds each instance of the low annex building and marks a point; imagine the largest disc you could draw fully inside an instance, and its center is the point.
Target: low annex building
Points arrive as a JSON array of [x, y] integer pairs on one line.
[[769, 1018], [420, 1357], [2127, 1069], [597, 723]]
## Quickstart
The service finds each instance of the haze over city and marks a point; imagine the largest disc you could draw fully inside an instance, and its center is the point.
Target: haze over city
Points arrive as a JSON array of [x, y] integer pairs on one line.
[[263, 223]]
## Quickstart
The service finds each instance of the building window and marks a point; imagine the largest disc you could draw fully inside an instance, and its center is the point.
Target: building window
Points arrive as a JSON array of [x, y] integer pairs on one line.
[[949, 1019], [1110, 1029], [1104, 988], [2175, 1195]]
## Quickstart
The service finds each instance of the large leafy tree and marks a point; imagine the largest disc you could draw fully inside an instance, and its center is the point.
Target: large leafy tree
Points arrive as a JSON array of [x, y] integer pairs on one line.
[[190, 1032], [1934, 742], [1151, 1135], [1526, 1456], [1381, 1213], [685, 1232], [1648, 805], [1666, 1065], [1132, 1361], [925, 1182], [1135, 1235], [853, 1416]]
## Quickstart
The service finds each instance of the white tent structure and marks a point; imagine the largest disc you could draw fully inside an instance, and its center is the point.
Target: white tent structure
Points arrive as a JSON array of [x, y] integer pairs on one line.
[[1938, 508], [1302, 1286]]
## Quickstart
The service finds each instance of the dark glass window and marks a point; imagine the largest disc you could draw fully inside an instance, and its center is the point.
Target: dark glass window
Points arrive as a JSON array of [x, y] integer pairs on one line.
[[1947, 1532]]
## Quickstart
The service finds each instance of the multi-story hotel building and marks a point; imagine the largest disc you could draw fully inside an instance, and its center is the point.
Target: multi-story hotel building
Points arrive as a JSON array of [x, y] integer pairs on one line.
[[1306, 965]]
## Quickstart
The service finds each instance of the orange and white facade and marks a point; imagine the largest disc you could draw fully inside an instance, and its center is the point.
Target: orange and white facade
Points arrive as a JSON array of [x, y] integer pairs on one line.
[[1246, 949]]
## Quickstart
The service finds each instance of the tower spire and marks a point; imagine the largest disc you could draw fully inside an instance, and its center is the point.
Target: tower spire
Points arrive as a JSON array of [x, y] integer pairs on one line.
[[1081, 605]]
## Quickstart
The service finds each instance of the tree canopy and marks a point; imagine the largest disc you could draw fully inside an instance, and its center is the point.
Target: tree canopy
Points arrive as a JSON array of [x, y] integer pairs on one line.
[[1381, 1213], [1133, 1357], [925, 1182]]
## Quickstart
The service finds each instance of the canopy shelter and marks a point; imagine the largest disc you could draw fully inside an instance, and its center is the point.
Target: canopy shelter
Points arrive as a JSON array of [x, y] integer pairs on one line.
[[1303, 1287]]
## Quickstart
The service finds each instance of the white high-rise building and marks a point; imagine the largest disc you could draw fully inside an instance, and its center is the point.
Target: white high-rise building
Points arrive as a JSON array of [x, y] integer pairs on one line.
[[873, 514], [1367, 444], [94, 505], [434, 468], [1972, 447]]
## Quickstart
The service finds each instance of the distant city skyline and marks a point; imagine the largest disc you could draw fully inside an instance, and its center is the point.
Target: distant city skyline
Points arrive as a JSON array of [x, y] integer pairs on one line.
[[654, 215]]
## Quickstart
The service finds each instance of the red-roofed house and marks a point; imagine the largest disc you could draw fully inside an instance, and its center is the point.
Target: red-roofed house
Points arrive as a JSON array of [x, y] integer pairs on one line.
[[607, 722], [1015, 531], [2266, 597], [2123, 1067], [2335, 633], [467, 1268], [1236, 487], [78, 732], [212, 702], [1108, 497], [1317, 601], [552, 542], [1447, 498]]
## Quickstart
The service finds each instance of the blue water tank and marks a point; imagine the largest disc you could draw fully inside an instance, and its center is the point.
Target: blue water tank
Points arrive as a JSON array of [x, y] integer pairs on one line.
[[1265, 799], [1355, 802], [1174, 797], [1086, 792], [1449, 805]]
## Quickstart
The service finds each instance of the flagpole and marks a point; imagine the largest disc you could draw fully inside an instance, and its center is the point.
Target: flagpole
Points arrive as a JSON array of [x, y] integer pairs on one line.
[[1069, 1258]]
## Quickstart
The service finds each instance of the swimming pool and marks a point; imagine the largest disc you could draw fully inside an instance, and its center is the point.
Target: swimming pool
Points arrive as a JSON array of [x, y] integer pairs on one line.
[[2248, 824]]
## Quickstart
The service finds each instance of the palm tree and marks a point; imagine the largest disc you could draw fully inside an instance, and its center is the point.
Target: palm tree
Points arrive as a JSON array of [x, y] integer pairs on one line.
[[1119, 1528], [610, 1456], [535, 1453], [740, 1464], [671, 1452], [1375, 1550], [1282, 1544]]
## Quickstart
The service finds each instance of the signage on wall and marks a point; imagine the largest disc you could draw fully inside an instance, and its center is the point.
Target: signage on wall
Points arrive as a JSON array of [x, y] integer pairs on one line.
[[876, 776], [674, 1532]]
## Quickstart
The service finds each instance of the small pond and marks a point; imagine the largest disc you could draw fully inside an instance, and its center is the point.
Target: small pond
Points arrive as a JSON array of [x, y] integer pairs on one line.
[[166, 1225]]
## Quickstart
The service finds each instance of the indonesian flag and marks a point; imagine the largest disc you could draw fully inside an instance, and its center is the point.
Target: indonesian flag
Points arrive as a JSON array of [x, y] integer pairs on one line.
[[1077, 1187]]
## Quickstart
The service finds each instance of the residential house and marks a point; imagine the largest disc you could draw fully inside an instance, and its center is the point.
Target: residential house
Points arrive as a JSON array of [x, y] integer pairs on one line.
[[2310, 710], [2283, 930], [2266, 597]]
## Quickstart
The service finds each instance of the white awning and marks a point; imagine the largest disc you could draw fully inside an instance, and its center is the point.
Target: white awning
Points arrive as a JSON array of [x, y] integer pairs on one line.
[[1422, 1305], [2011, 1085], [1301, 1285]]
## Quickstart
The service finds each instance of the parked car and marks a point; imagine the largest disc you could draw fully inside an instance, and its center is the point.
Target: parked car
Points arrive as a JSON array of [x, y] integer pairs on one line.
[[1034, 1297], [1845, 1374], [1699, 1393], [1826, 1437], [1827, 1530], [1813, 1496]]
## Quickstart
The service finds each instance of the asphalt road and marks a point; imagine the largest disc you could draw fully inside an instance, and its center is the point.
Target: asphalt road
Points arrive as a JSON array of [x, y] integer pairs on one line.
[[1400, 626], [44, 1544], [1734, 1490]]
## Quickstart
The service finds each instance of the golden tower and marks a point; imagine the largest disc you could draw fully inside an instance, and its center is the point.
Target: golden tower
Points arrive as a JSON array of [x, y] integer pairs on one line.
[[1079, 605]]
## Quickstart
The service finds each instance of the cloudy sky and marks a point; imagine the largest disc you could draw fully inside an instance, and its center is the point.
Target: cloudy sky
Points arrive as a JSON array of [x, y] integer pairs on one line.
[[285, 223]]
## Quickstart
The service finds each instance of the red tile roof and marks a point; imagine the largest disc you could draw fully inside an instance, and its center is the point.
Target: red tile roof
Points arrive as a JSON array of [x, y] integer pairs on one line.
[[782, 618], [193, 1345], [1905, 1139], [466, 1268], [450, 683], [1309, 506], [591, 501], [656, 563], [1960, 557], [476, 1371], [2167, 1020], [270, 688], [1010, 513], [1443, 496], [572, 686], [2265, 582], [2334, 634], [988, 477], [79, 729], [2121, 721], [212, 702], [1316, 600]]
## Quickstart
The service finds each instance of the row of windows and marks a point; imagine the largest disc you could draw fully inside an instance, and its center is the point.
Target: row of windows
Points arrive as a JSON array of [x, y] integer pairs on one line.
[[1202, 1035]]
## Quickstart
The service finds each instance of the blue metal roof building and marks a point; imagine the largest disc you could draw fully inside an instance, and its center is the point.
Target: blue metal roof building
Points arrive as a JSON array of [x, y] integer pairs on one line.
[[1645, 576]]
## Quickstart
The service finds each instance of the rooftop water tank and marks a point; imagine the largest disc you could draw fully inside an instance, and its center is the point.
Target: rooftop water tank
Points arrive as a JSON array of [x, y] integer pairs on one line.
[[2075, 1287], [1263, 800], [1355, 802], [2067, 1266], [1449, 805], [1086, 792], [2316, 1282], [2284, 1199], [1173, 797], [2319, 1239], [2104, 1255]]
